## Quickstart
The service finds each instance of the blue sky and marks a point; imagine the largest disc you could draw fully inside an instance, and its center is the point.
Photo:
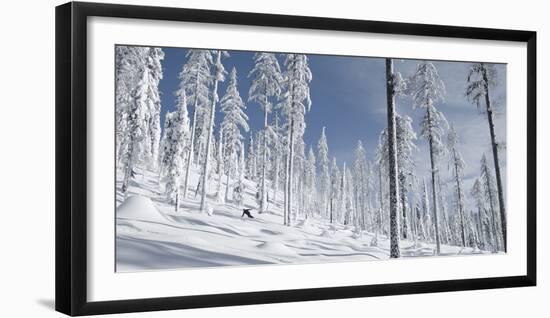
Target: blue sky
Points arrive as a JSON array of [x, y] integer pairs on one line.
[[349, 98]]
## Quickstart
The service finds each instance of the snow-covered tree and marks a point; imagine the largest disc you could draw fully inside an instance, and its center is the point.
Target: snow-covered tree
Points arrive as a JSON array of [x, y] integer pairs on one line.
[[220, 167], [278, 147], [405, 146], [195, 80], [487, 180], [478, 194], [427, 88], [334, 196], [294, 105], [457, 165], [310, 181], [361, 184], [143, 106], [251, 159], [266, 84], [482, 77], [154, 58], [128, 61], [234, 120], [394, 86], [175, 140], [220, 73], [324, 178]]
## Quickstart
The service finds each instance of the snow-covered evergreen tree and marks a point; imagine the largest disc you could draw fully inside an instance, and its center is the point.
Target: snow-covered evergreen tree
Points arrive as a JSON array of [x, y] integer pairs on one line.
[[324, 178], [478, 194], [426, 89], [487, 180], [154, 58], [481, 79], [294, 105], [334, 196], [405, 139], [142, 108], [457, 165], [234, 120], [220, 73], [251, 159], [361, 181], [266, 84], [195, 80], [310, 181], [278, 147], [176, 135]]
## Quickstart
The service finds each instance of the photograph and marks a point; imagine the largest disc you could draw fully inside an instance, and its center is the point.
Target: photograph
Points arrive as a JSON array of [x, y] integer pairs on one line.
[[247, 158]]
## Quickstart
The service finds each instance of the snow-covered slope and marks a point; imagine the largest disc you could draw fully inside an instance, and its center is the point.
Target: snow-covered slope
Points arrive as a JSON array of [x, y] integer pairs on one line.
[[150, 235]]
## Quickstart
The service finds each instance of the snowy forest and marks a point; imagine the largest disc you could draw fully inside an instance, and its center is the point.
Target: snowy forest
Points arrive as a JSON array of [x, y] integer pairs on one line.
[[334, 158]]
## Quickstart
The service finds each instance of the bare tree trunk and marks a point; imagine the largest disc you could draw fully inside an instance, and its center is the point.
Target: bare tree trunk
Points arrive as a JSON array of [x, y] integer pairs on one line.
[[392, 169], [500, 190]]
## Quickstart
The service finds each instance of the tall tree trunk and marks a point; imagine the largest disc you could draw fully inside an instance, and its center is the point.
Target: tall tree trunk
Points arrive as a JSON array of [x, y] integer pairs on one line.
[[379, 218], [434, 191], [209, 140], [460, 203], [403, 197], [263, 203], [500, 190], [392, 169], [289, 172], [227, 178], [220, 198], [493, 214], [191, 151]]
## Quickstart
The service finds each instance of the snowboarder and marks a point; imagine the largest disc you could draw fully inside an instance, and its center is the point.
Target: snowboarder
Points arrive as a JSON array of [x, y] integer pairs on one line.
[[247, 213]]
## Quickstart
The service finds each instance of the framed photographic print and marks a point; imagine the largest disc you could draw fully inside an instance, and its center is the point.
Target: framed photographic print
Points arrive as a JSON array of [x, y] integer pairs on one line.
[[208, 158]]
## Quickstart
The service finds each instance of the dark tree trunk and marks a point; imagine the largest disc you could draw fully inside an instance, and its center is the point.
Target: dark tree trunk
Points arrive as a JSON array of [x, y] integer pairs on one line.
[[434, 191], [392, 151], [494, 144]]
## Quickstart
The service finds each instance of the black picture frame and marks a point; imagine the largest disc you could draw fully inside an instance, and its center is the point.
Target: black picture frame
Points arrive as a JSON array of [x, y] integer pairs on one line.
[[71, 157]]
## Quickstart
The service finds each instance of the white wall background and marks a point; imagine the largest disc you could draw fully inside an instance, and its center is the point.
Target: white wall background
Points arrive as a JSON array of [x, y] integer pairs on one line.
[[27, 158]]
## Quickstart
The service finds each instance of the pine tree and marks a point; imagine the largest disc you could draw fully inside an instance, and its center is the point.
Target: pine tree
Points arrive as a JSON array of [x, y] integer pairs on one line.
[[310, 180], [361, 181], [324, 179], [266, 83], [251, 159], [334, 191], [278, 155], [140, 113], [294, 105], [219, 77], [427, 89], [457, 165], [176, 135], [154, 58], [487, 179], [234, 120], [481, 78], [195, 80], [477, 193]]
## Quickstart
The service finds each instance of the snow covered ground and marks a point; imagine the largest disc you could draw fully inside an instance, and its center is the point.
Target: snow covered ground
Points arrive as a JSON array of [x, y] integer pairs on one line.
[[151, 236]]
